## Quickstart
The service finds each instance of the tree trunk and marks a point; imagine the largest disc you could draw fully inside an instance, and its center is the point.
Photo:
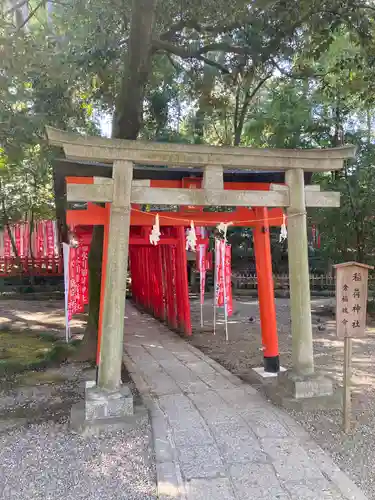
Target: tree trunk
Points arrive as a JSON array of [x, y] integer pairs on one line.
[[240, 114], [338, 137], [128, 115], [204, 104], [126, 125], [240, 117], [87, 351]]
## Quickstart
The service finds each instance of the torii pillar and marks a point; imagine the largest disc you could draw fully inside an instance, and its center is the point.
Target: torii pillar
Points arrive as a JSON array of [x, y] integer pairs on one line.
[[111, 352], [301, 386], [299, 279]]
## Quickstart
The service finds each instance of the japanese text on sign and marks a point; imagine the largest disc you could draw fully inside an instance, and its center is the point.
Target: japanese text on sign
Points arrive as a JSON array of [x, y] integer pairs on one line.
[[351, 300]]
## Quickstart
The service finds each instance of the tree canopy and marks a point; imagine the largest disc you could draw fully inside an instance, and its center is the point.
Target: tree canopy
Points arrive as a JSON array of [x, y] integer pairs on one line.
[[266, 73]]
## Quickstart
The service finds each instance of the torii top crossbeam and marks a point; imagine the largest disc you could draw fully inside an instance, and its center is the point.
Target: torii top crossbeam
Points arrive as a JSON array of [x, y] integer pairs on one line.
[[154, 153], [121, 191], [214, 161]]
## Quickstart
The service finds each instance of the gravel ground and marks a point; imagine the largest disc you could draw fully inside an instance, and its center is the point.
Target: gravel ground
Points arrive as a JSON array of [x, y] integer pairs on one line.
[[353, 453], [40, 458], [48, 462]]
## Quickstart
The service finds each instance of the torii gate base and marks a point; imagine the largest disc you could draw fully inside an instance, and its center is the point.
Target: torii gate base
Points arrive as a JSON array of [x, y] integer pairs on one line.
[[121, 191]]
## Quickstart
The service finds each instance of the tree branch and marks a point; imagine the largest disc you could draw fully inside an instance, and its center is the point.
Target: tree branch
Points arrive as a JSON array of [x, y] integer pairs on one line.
[[186, 53], [30, 16], [214, 64], [15, 7], [260, 84], [365, 6], [222, 142], [207, 61], [241, 115], [298, 76], [236, 112], [173, 63], [198, 54], [194, 24]]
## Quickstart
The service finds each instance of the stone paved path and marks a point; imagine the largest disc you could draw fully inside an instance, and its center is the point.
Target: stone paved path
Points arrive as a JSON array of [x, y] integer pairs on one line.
[[215, 437]]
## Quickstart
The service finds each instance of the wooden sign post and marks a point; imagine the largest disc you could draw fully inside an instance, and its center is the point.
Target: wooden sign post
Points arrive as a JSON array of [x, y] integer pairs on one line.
[[351, 305]]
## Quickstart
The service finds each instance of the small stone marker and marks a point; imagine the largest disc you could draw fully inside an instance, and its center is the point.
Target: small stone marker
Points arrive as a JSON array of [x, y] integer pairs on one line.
[[351, 305]]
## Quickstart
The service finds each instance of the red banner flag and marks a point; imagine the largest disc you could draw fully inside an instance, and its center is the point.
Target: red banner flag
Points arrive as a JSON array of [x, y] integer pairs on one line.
[[219, 289], [17, 238], [202, 270], [85, 273], [72, 283], [40, 240], [7, 244], [228, 279], [50, 237], [75, 301], [223, 275], [79, 299], [26, 239]]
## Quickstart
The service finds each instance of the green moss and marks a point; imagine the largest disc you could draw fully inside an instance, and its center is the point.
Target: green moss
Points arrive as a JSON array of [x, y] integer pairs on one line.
[[22, 351], [60, 352]]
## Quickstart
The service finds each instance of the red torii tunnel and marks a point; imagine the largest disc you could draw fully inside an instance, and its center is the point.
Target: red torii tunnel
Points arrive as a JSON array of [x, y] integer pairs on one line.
[[159, 276], [159, 273]]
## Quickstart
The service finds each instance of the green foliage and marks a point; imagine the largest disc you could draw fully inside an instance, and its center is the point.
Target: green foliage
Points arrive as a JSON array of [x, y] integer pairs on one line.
[[296, 74], [350, 234], [36, 89]]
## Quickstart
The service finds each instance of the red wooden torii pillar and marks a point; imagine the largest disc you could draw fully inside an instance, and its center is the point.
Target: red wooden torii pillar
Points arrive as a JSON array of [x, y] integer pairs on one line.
[[172, 303]]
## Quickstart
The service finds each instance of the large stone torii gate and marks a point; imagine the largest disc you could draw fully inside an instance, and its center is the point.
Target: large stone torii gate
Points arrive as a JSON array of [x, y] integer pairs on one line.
[[122, 190]]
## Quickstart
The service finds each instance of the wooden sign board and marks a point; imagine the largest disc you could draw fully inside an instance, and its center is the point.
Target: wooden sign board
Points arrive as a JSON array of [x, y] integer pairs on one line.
[[351, 299]]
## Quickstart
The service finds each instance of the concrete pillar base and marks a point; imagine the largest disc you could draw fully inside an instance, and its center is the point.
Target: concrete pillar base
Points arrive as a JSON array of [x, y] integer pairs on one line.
[[305, 386], [105, 411], [261, 374], [101, 404], [304, 392]]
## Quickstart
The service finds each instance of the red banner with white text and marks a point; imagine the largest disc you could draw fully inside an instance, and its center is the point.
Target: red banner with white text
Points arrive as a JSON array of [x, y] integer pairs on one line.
[[202, 270], [74, 298], [223, 276], [219, 288], [228, 279], [50, 239], [78, 274], [39, 240], [7, 244]]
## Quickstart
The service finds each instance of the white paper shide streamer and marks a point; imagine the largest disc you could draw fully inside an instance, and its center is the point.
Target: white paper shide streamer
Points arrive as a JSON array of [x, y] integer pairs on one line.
[[223, 228], [283, 230], [191, 238], [155, 233]]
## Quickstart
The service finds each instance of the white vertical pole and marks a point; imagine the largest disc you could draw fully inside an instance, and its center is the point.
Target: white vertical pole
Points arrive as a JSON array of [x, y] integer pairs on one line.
[[66, 253], [216, 276], [223, 249], [347, 403]]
